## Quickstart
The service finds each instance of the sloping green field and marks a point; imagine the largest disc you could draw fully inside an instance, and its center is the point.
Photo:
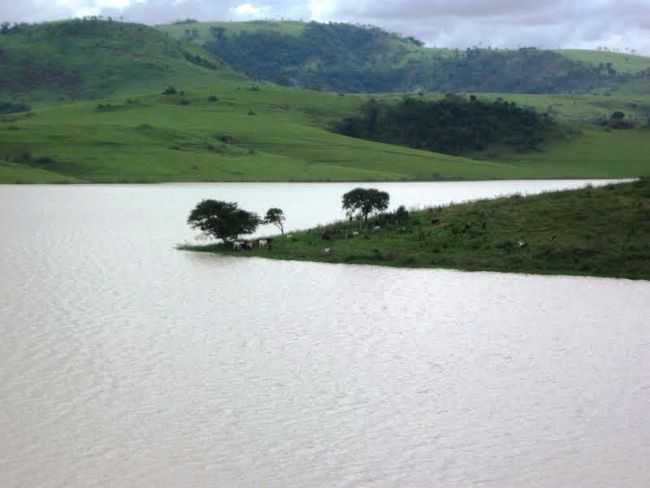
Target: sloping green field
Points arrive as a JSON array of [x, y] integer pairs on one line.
[[265, 133], [621, 62], [83, 59]]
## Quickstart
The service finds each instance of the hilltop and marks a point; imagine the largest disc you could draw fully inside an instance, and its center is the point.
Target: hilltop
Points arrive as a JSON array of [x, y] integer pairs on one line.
[[353, 58], [92, 58]]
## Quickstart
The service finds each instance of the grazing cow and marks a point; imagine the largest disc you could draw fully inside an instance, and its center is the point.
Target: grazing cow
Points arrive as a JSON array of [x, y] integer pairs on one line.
[[355, 234], [377, 228], [327, 251], [237, 246], [262, 243]]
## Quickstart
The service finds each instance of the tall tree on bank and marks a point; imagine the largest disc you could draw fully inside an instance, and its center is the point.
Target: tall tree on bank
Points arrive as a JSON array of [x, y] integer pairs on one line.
[[222, 220], [276, 217], [362, 202]]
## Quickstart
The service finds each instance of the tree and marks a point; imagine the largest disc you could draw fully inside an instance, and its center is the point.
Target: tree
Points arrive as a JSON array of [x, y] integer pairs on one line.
[[222, 220], [363, 202], [276, 217]]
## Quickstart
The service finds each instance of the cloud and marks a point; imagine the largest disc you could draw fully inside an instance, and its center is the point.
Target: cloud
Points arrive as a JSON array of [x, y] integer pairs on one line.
[[250, 11], [452, 23]]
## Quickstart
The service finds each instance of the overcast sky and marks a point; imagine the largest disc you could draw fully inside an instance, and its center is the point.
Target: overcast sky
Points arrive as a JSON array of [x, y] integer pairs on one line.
[[617, 24]]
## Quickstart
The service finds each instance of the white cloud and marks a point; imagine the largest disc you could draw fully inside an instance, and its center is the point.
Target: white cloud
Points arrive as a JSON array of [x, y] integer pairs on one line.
[[621, 24], [321, 9], [249, 10]]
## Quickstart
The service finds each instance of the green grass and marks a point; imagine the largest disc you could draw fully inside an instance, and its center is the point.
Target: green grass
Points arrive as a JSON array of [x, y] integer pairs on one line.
[[594, 231], [621, 62], [154, 138], [200, 32], [75, 60]]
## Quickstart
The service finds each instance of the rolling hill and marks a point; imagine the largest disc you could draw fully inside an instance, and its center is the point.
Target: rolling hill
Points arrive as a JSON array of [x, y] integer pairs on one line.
[[352, 58], [90, 58], [239, 131], [100, 114]]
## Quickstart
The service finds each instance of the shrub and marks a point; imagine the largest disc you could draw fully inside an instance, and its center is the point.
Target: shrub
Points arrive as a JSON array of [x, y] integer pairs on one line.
[[11, 107], [170, 90], [44, 161]]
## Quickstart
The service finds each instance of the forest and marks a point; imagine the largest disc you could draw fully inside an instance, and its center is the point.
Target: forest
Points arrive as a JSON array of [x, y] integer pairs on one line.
[[454, 125]]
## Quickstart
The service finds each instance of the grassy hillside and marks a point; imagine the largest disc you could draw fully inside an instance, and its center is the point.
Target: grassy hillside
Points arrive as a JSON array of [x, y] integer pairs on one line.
[[599, 232], [367, 59], [83, 59], [269, 133], [621, 62]]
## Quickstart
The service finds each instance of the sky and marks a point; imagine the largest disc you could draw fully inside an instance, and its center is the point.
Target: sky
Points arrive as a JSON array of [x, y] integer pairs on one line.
[[617, 24]]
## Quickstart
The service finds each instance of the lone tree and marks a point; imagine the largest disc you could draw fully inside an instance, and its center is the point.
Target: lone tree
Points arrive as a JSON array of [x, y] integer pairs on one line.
[[363, 202], [276, 217], [222, 220]]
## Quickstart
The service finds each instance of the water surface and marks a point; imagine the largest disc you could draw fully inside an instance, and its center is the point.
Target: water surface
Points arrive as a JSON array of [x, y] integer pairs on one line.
[[126, 363]]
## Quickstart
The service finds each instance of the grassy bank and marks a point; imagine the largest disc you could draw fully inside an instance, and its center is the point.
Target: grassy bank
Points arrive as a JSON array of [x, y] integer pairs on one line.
[[247, 132], [594, 231]]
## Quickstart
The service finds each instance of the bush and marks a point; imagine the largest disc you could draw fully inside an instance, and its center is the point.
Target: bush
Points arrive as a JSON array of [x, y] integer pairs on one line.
[[213, 99], [170, 90], [12, 107], [44, 161]]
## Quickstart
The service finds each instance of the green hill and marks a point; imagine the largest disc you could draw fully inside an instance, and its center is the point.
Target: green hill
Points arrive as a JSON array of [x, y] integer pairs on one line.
[[92, 58], [351, 58], [219, 126], [621, 62], [238, 131]]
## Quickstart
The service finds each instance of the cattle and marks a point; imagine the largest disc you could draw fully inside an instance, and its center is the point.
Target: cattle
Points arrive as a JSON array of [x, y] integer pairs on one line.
[[237, 246], [262, 243]]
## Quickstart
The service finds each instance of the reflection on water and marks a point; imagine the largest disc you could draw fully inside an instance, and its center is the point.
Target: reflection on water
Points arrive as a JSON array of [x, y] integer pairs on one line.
[[126, 363]]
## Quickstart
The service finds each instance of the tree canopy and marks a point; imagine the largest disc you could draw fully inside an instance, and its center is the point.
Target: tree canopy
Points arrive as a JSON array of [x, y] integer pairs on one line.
[[362, 202], [353, 58], [275, 216], [453, 125], [222, 220]]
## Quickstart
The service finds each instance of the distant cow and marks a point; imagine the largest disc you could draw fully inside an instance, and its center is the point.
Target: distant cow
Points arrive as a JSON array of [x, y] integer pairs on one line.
[[237, 246]]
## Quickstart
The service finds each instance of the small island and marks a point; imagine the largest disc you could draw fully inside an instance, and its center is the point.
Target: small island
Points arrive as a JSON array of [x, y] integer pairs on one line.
[[602, 231]]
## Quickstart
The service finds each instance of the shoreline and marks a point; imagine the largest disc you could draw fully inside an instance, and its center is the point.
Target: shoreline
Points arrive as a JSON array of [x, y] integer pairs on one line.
[[595, 231]]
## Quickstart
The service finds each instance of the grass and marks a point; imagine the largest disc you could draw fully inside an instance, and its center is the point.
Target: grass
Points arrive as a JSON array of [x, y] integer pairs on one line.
[[594, 231], [621, 62], [75, 60], [200, 32], [270, 133]]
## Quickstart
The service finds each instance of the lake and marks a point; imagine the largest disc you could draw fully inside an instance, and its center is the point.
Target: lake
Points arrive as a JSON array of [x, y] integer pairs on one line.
[[127, 363]]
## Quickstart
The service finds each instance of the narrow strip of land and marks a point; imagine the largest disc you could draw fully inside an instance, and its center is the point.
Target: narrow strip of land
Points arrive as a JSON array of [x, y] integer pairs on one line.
[[593, 231]]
